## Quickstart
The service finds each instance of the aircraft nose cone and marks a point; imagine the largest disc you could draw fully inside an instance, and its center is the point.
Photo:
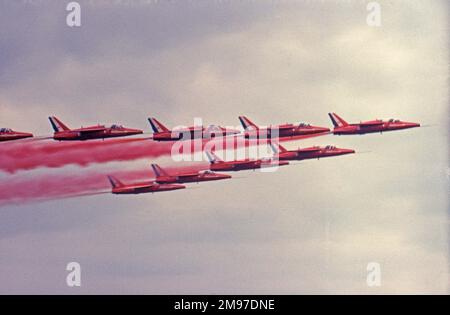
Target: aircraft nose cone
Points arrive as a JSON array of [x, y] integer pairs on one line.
[[322, 129], [135, 131], [176, 187], [344, 151], [411, 124]]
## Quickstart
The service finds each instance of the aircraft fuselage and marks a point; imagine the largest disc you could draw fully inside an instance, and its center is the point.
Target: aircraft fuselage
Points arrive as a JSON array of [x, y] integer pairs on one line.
[[234, 166], [101, 134], [130, 190], [204, 177], [313, 153], [362, 128], [284, 131]]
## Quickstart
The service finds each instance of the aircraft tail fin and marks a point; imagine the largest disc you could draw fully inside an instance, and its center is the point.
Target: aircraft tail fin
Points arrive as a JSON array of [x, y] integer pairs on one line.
[[277, 148], [337, 121], [114, 182], [247, 123], [212, 157], [57, 125], [158, 170], [157, 126]]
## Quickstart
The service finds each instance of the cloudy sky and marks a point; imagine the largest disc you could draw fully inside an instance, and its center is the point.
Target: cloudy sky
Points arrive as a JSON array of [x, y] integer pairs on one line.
[[312, 227]]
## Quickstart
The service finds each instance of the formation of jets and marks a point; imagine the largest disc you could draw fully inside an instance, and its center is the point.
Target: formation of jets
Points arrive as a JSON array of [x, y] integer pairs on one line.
[[168, 180], [251, 130]]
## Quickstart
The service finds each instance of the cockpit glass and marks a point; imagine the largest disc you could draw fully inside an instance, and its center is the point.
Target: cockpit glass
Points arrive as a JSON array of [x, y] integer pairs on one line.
[[5, 130], [304, 125], [213, 128], [116, 127]]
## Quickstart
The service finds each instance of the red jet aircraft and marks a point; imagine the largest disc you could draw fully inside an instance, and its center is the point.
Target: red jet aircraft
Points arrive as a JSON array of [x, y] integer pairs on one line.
[[286, 130], [162, 177], [315, 152], [62, 132], [7, 134], [216, 164], [119, 188], [341, 127], [162, 133]]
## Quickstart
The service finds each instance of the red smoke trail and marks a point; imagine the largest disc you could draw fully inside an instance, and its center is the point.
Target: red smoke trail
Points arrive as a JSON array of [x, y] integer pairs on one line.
[[27, 156], [25, 189]]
